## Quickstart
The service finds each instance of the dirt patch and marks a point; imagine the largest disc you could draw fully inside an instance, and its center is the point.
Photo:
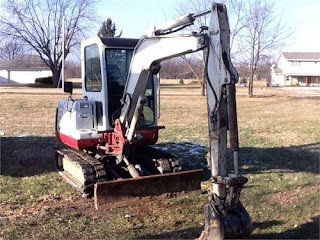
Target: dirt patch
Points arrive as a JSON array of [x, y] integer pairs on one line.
[[50, 206], [76, 205], [294, 196]]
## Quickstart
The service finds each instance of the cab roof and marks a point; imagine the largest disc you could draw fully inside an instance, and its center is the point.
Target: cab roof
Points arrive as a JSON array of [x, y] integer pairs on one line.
[[119, 42]]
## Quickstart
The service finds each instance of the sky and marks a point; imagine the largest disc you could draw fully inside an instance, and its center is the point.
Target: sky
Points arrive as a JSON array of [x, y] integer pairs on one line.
[[134, 17]]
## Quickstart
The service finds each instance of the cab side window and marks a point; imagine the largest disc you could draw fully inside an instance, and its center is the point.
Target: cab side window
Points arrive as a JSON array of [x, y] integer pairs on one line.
[[93, 81]]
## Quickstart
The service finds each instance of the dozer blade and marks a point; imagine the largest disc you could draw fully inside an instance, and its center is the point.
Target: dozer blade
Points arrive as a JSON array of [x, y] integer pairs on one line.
[[124, 192]]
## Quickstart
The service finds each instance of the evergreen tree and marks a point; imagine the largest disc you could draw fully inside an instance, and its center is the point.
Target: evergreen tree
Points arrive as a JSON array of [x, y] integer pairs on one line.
[[108, 29]]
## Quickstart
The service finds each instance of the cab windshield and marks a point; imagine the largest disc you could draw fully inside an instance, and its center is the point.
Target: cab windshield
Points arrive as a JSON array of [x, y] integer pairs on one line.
[[118, 64]]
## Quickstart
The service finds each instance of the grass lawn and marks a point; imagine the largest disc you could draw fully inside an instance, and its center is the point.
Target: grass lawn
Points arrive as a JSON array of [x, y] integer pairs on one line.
[[280, 140]]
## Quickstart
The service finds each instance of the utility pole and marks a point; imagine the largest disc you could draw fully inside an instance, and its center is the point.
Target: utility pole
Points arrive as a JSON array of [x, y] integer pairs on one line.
[[63, 47]]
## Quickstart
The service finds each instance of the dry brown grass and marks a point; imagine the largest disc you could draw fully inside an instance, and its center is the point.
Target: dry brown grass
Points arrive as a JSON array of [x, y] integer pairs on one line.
[[279, 135]]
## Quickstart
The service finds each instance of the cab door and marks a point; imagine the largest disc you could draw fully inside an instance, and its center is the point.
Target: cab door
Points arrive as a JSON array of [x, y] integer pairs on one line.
[[93, 82]]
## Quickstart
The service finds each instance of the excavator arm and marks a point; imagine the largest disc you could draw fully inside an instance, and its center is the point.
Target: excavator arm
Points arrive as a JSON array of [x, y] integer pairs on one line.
[[225, 216]]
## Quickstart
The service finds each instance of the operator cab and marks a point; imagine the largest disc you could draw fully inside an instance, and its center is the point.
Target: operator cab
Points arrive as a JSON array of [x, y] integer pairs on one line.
[[105, 67]]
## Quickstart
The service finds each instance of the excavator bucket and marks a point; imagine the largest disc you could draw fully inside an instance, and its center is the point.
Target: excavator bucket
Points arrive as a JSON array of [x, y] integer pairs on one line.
[[124, 192], [236, 223]]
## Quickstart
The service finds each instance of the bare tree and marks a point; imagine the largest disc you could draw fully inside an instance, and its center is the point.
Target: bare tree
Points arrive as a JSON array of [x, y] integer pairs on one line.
[[12, 49], [188, 69], [236, 15], [73, 69], [38, 23], [195, 6], [257, 30], [264, 31]]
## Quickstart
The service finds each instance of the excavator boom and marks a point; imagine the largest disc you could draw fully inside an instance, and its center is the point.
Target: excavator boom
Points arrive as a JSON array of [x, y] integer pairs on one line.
[[225, 215]]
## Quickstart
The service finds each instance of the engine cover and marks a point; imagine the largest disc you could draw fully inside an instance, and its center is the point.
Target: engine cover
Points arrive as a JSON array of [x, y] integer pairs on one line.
[[76, 123]]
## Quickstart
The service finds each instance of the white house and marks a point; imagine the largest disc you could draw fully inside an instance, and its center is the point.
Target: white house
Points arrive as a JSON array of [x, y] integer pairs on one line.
[[296, 69], [24, 70]]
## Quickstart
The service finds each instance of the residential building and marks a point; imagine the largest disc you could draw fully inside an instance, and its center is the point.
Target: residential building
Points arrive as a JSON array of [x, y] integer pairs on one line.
[[23, 69], [296, 69]]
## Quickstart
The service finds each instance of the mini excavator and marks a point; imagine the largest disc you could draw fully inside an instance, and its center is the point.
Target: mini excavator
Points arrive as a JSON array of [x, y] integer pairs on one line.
[[111, 131]]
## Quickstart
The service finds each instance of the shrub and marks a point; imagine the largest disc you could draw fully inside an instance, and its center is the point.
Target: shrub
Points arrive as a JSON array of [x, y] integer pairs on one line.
[[194, 82], [181, 81], [44, 80]]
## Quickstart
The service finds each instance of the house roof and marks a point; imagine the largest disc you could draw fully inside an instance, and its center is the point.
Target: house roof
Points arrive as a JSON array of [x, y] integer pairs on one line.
[[302, 55], [23, 63]]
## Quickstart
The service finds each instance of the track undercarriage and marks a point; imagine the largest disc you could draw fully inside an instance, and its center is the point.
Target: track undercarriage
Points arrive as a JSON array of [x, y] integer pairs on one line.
[[113, 183]]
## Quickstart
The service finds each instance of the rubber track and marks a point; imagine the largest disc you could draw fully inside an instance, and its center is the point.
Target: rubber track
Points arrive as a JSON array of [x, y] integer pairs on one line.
[[93, 170], [100, 172]]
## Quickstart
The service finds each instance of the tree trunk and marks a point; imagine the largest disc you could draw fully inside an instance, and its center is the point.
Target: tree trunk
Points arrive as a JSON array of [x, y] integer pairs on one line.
[[203, 87], [203, 75], [250, 86], [56, 76], [203, 81]]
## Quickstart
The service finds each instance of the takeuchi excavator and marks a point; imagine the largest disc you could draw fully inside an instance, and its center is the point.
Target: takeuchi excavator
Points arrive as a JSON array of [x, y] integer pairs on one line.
[[111, 131]]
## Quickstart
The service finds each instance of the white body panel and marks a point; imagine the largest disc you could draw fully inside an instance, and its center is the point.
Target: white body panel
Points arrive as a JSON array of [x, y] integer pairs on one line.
[[76, 119]]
